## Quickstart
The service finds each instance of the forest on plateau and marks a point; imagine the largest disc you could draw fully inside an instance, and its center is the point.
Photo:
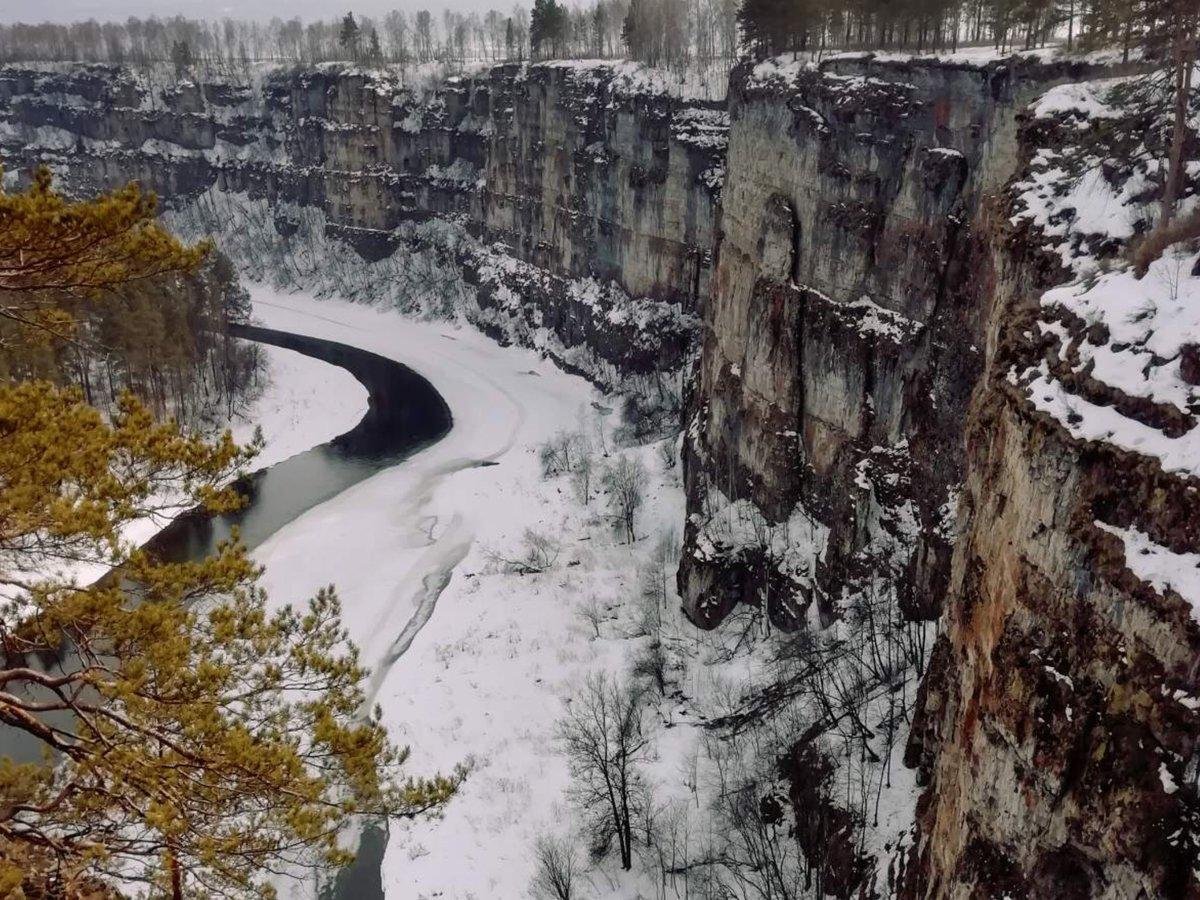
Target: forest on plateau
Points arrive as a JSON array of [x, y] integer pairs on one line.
[[661, 32]]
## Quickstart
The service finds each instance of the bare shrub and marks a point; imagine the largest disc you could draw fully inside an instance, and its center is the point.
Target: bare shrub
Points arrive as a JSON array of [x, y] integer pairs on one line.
[[1151, 246], [650, 664], [625, 481], [594, 614], [651, 415], [558, 868], [583, 476], [559, 455], [668, 452], [639, 422], [538, 553]]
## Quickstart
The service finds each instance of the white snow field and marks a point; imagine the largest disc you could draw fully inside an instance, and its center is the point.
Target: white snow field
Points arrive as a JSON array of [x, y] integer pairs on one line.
[[475, 663], [471, 663]]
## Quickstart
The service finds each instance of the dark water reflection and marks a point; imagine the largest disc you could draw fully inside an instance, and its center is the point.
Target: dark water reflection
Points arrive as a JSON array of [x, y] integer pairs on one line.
[[405, 415]]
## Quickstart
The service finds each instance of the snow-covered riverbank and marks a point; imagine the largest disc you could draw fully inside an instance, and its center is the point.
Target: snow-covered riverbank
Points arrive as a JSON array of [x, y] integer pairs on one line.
[[302, 402], [476, 662], [305, 402], [482, 676]]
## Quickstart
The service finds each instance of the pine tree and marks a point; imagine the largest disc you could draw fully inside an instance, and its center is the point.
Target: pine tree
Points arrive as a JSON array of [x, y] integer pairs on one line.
[[634, 30], [599, 25], [348, 37], [547, 28], [181, 57], [1176, 45], [538, 26], [55, 254], [201, 739], [770, 26]]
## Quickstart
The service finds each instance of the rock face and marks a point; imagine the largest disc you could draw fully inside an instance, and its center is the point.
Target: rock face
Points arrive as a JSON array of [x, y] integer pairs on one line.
[[1058, 715], [580, 172], [1057, 733], [843, 336], [867, 277]]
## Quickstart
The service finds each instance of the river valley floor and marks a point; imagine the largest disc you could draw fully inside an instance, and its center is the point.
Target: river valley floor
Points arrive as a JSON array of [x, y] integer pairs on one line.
[[471, 663], [476, 663]]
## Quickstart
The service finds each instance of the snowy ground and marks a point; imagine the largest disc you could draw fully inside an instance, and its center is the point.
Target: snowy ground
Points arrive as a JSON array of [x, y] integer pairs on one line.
[[475, 663], [305, 402], [484, 680]]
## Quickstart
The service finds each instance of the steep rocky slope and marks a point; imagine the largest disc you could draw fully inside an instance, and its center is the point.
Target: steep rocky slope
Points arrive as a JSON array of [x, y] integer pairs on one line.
[[1058, 728], [874, 262]]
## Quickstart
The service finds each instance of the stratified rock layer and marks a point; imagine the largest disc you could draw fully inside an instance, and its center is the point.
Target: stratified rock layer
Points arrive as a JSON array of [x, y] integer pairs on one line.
[[572, 170], [843, 335]]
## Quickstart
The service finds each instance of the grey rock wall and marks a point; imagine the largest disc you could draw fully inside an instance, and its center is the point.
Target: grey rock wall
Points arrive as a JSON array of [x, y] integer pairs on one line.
[[844, 330], [564, 167]]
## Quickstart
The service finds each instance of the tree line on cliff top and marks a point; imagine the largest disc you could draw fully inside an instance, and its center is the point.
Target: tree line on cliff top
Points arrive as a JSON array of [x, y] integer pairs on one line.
[[662, 32], [771, 27]]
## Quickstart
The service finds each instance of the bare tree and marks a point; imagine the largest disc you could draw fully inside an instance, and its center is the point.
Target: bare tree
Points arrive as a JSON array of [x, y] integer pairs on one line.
[[594, 613], [558, 867], [757, 855], [396, 29], [656, 576], [560, 454], [605, 743], [582, 477], [424, 35], [625, 481]]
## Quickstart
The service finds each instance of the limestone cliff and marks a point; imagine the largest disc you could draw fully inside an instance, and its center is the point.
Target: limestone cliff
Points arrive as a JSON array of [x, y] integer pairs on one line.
[[1058, 727], [844, 333], [591, 192], [842, 451]]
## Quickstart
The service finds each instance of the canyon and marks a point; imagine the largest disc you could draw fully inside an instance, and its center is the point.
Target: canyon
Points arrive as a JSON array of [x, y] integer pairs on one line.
[[845, 282]]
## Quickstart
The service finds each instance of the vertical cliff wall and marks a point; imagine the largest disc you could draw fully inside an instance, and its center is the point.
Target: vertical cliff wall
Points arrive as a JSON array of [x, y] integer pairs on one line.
[[847, 462], [586, 187], [1058, 729], [843, 335]]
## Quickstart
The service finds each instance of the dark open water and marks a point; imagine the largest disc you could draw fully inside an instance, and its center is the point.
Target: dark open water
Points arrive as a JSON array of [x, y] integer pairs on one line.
[[405, 415]]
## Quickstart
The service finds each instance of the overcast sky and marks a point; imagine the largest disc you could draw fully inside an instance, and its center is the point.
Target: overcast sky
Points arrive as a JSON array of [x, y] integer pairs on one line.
[[72, 10]]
